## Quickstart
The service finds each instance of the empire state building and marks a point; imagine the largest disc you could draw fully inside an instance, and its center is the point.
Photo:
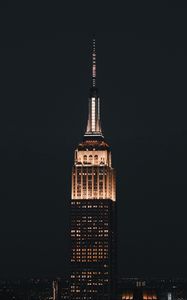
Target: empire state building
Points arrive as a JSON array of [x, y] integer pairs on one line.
[[93, 210]]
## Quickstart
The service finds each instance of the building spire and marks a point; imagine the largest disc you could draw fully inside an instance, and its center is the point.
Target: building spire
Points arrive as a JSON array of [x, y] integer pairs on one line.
[[94, 123], [93, 62]]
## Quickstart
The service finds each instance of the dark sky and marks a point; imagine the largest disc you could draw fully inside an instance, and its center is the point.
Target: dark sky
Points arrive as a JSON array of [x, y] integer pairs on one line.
[[44, 82]]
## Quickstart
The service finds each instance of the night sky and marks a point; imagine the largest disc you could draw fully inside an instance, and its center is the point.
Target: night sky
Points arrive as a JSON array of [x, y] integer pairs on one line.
[[44, 83]]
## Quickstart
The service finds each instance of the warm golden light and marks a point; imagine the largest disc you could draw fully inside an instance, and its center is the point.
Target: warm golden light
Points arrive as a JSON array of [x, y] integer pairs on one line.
[[148, 295], [93, 176], [127, 296]]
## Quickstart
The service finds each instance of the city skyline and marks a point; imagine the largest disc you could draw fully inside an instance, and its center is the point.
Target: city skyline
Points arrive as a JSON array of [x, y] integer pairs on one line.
[[142, 80]]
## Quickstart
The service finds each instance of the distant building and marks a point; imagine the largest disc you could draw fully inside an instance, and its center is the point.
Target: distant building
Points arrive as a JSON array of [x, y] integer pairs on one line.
[[93, 210], [152, 289], [56, 289]]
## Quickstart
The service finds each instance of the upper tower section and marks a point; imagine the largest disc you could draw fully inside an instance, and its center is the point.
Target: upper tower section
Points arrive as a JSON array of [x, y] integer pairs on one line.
[[93, 129]]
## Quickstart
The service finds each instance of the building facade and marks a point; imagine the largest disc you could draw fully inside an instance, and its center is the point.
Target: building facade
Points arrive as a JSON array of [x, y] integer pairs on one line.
[[93, 210]]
